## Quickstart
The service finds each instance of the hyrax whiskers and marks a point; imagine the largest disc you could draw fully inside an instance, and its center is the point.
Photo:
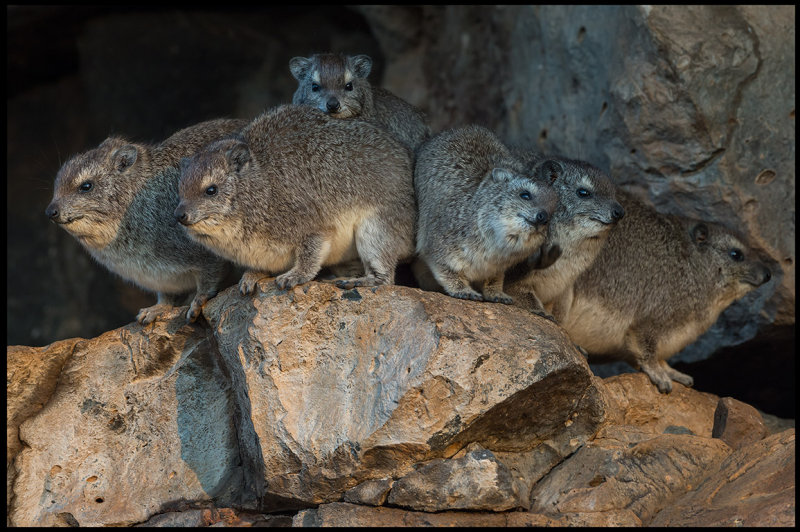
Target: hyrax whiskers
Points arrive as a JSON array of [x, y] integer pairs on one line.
[[659, 282], [586, 213], [478, 212], [118, 201], [337, 84], [298, 190]]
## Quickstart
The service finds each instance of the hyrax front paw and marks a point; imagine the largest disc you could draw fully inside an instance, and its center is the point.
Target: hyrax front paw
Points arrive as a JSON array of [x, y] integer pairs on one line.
[[150, 314], [290, 279], [195, 309], [498, 297], [249, 281], [464, 294]]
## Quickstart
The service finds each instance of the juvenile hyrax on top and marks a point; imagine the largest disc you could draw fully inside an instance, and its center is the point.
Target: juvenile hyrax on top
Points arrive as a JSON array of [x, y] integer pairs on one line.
[[298, 190], [118, 201], [586, 214], [658, 283], [478, 211], [337, 84]]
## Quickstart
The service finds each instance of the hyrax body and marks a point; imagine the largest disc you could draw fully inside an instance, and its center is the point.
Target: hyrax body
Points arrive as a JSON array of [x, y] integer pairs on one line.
[[298, 190], [337, 84], [118, 201], [586, 213], [658, 283], [478, 212]]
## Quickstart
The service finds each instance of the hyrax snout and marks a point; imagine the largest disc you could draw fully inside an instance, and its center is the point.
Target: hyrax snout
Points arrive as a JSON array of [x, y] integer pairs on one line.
[[337, 84], [298, 190], [117, 201], [479, 213], [587, 212], [658, 284]]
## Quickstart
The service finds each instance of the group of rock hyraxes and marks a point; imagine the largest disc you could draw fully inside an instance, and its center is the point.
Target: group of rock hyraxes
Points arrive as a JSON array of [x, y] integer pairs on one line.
[[350, 175]]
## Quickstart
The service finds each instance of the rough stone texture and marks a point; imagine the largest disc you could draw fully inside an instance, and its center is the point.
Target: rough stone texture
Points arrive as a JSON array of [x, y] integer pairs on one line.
[[476, 481], [737, 424], [635, 401], [217, 517], [370, 492], [626, 468], [337, 387], [754, 487], [138, 418], [344, 514]]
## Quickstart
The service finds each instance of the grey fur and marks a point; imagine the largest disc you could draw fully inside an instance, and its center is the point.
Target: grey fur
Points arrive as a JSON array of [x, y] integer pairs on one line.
[[473, 222], [586, 213], [658, 283], [332, 73], [125, 220], [298, 190]]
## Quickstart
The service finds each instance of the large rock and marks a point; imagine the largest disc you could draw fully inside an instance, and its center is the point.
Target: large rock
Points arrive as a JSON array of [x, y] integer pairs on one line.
[[754, 487], [338, 387], [133, 421]]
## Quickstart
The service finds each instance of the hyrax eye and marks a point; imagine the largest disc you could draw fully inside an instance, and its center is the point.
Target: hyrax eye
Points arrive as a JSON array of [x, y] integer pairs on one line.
[[314, 87], [736, 254], [349, 86], [211, 191], [85, 186], [525, 195], [583, 193]]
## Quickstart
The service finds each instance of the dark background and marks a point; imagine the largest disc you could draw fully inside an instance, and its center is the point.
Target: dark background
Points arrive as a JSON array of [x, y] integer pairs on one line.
[[76, 75]]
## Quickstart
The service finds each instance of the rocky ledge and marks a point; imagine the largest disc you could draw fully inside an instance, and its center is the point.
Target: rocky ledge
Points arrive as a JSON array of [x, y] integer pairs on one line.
[[372, 407]]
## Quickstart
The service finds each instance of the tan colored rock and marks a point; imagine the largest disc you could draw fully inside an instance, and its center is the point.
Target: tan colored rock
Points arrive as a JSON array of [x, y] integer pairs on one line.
[[476, 481], [627, 468], [754, 487], [339, 387], [344, 514], [370, 492], [637, 402], [139, 417], [738, 424]]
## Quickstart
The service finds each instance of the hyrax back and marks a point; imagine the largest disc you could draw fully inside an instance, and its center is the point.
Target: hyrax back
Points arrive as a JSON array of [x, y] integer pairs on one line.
[[658, 283], [118, 201], [478, 212], [337, 84], [586, 213], [298, 190]]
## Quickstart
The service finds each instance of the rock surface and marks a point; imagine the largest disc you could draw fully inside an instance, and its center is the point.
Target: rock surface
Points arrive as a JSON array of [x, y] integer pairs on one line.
[[420, 408]]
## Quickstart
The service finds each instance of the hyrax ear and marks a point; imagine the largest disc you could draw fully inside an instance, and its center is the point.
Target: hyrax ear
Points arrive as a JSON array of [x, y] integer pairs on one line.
[[362, 65], [501, 174], [125, 157], [550, 170], [238, 157], [700, 234], [299, 67]]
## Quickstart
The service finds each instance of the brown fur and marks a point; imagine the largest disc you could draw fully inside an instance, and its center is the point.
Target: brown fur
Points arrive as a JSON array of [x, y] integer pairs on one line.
[[125, 218], [298, 190], [658, 283]]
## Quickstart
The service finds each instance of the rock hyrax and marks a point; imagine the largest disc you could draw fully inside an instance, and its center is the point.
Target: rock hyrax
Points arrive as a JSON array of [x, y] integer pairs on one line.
[[337, 84], [587, 211], [478, 212], [298, 190], [658, 283], [118, 201]]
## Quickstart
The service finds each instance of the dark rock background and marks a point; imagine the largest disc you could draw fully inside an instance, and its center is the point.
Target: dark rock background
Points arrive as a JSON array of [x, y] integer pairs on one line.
[[692, 108]]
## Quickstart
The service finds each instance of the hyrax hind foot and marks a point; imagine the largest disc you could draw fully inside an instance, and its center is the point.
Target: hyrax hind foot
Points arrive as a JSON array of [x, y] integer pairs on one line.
[[150, 314], [676, 375], [249, 281], [368, 280]]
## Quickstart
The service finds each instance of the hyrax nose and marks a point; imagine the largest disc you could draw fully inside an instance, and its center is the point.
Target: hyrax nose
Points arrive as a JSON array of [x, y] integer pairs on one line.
[[180, 215], [52, 211], [617, 212], [332, 105], [541, 218]]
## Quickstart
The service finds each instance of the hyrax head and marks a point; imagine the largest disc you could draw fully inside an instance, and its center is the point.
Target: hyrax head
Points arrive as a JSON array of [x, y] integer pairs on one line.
[[587, 199], [92, 190], [733, 267], [333, 83], [517, 208], [208, 185]]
